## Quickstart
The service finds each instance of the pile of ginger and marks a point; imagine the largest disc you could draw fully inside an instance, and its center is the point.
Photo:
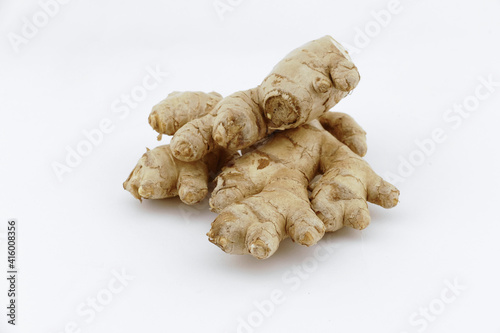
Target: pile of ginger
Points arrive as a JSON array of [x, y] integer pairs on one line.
[[283, 165]]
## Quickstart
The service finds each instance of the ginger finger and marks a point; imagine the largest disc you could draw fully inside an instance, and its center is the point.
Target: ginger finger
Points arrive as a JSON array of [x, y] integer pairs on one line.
[[339, 197], [179, 108], [346, 130], [159, 175]]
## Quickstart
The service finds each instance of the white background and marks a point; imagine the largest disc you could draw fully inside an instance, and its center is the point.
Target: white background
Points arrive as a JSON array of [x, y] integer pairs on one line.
[[76, 232]]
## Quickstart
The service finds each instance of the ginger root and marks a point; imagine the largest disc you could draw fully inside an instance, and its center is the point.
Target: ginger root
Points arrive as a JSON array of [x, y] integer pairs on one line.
[[301, 87], [262, 197], [158, 175], [300, 173]]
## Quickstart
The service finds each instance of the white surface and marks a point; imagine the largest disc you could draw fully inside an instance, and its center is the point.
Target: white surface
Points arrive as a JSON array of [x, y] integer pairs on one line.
[[74, 233]]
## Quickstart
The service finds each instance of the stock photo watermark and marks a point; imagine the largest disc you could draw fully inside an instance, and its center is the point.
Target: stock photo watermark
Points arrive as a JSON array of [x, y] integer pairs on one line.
[[292, 279], [120, 108], [32, 25], [188, 212], [380, 19], [454, 118], [363, 36], [222, 7], [426, 315], [11, 238], [88, 310]]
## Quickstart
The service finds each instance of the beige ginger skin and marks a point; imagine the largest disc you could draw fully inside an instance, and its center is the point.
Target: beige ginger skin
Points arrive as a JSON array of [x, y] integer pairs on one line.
[[159, 175], [262, 197], [301, 87], [300, 173]]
